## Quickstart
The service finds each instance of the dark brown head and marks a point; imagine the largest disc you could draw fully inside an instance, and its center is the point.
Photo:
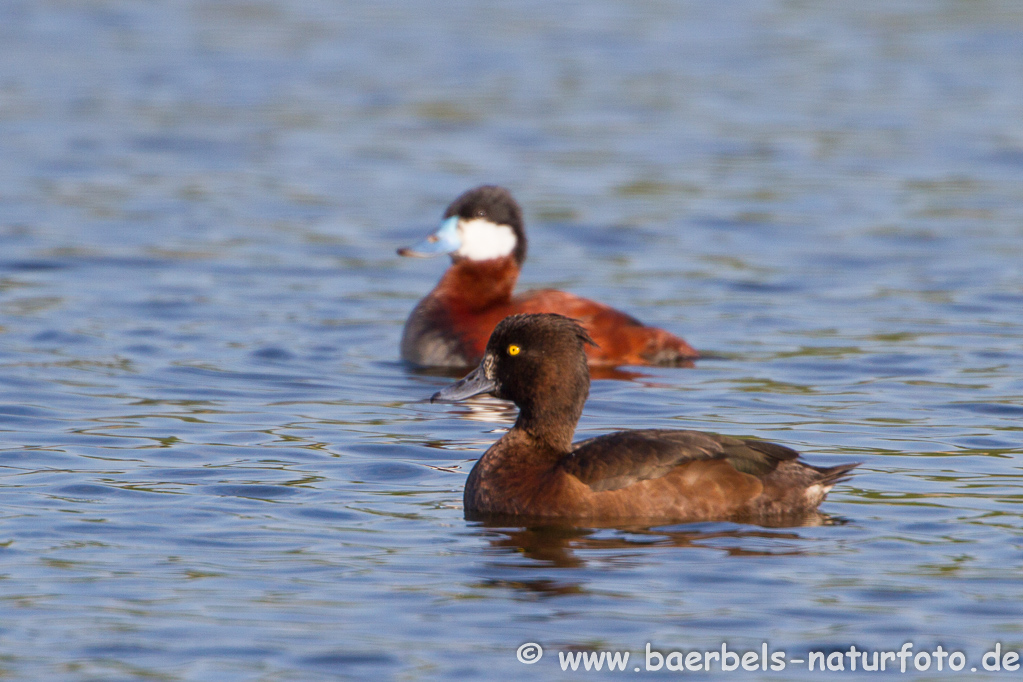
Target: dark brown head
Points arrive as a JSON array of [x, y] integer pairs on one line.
[[539, 363], [481, 224]]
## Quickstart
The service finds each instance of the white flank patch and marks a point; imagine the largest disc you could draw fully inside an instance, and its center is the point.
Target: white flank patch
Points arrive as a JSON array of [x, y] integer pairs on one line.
[[816, 492], [483, 240]]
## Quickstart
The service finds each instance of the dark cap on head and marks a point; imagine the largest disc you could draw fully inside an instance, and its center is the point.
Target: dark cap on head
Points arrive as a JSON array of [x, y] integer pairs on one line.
[[545, 330]]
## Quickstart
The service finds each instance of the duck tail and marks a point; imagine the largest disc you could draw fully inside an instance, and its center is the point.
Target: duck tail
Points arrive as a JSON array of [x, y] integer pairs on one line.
[[829, 476], [660, 347]]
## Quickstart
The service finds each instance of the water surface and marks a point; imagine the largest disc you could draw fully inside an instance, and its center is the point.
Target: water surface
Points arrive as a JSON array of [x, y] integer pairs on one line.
[[214, 467]]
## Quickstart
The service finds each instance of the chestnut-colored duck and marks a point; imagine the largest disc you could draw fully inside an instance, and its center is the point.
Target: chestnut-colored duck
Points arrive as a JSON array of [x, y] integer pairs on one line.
[[482, 231], [536, 471]]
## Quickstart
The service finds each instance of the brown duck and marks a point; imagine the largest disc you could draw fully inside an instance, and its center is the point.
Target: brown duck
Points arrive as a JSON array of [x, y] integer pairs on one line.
[[538, 361]]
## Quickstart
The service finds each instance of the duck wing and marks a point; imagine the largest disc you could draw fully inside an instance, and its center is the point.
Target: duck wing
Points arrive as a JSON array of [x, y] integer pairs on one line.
[[619, 459]]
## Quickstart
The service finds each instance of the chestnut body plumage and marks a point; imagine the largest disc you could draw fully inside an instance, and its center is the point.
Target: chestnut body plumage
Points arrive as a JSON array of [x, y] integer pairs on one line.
[[483, 231]]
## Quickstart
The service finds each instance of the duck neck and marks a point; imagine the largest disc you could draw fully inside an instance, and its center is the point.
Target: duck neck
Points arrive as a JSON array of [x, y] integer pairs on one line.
[[478, 284], [551, 421], [550, 433]]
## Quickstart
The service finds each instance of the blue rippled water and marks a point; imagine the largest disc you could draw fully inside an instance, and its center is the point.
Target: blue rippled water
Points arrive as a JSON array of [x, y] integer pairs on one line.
[[213, 466]]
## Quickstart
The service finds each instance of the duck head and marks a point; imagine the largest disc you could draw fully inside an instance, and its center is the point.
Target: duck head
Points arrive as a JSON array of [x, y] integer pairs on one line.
[[482, 224], [538, 362]]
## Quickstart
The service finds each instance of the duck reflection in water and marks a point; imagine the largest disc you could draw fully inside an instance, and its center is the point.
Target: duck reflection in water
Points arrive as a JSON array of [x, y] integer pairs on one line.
[[565, 546]]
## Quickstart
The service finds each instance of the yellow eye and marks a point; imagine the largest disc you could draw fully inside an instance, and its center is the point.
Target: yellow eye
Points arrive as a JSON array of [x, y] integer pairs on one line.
[[514, 350]]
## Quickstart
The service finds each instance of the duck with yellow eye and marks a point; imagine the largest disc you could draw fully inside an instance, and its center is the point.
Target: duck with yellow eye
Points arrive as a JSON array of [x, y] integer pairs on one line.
[[535, 470]]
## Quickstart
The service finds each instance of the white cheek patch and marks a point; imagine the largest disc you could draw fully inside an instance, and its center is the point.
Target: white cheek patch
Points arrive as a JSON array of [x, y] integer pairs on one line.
[[483, 240]]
